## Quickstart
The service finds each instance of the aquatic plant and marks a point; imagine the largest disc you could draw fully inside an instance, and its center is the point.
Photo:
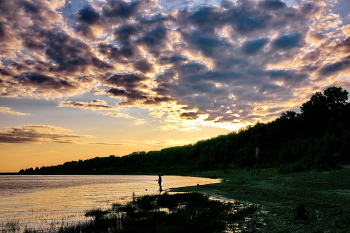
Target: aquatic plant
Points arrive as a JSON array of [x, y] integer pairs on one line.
[[96, 213], [10, 226], [181, 212]]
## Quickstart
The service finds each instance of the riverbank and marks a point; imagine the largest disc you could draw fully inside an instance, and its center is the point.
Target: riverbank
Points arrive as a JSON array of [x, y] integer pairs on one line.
[[297, 202]]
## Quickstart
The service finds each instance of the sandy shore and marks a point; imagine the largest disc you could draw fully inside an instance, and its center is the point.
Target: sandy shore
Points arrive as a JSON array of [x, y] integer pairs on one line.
[[325, 195]]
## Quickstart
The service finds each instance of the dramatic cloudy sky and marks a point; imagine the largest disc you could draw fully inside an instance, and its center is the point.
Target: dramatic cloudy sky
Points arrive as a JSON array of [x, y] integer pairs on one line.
[[80, 79]]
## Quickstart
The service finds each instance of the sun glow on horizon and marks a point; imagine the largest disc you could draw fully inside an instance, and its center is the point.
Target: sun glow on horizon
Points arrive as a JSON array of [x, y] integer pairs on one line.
[[81, 79]]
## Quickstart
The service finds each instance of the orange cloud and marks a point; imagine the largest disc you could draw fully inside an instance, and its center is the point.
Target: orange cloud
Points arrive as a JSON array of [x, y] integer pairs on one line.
[[119, 114], [7, 110], [39, 134], [93, 105]]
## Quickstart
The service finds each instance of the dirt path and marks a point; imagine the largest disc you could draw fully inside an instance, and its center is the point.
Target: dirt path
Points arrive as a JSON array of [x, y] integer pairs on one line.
[[325, 195]]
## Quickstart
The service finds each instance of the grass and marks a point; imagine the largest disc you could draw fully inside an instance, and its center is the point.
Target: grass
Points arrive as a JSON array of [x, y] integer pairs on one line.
[[10, 226], [96, 213], [238, 180], [325, 196], [300, 212], [180, 212]]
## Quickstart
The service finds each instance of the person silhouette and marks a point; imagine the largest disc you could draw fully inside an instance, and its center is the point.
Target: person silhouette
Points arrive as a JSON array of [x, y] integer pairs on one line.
[[160, 182]]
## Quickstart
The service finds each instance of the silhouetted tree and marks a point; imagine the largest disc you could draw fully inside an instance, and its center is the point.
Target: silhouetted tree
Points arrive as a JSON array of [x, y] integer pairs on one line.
[[317, 138], [331, 100]]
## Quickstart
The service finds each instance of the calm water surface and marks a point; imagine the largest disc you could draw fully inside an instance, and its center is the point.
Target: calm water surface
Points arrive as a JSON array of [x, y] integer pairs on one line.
[[42, 202]]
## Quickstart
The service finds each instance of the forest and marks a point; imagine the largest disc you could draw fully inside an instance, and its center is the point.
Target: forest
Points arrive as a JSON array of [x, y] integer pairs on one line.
[[317, 138]]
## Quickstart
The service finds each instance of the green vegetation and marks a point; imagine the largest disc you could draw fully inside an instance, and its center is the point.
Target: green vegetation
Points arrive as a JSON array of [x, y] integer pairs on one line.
[[300, 212], [316, 139], [181, 212]]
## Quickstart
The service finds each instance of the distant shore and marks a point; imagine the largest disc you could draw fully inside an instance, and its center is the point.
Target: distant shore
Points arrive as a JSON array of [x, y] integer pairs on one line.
[[324, 195]]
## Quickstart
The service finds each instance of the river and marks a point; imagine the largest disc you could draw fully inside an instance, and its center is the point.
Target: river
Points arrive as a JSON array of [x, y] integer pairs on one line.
[[43, 202]]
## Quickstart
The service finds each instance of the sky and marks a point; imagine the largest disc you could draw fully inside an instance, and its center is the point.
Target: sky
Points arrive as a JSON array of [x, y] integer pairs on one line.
[[92, 78]]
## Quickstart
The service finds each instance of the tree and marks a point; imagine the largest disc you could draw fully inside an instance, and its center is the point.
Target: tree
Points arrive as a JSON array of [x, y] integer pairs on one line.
[[315, 105], [336, 98], [330, 101], [288, 115]]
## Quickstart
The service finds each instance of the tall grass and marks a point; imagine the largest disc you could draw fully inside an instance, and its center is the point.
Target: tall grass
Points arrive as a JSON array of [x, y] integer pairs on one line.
[[300, 212], [10, 226], [181, 212]]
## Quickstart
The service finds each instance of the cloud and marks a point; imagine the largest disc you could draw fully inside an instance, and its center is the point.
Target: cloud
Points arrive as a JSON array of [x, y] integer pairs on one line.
[[288, 41], [189, 115], [119, 114], [120, 9], [272, 5], [139, 122], [70, 54], [253, 46], [134, 88], [154, 40], [144, 66], [207, 44], [93, 105], [39, 134], [204, 64], [128, 81], [45, 82], [7, 110], [88, 15], [173, 59], [127, 116], [331, 68], [167, 142], [157, 113], [133, 96], [125, 32], [36, 85], [107, 144]]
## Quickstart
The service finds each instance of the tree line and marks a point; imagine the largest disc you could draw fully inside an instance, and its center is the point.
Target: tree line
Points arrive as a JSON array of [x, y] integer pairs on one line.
[[317, 138]]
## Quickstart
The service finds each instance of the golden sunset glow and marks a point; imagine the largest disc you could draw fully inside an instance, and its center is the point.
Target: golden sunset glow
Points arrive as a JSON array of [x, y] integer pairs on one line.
[[84, 79]]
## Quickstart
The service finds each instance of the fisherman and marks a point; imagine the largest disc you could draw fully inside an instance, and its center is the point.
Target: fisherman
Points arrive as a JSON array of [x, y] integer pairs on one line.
[[160, 183]]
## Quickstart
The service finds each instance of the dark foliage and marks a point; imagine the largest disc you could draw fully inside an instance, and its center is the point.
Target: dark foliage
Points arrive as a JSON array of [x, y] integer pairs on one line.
[[316, 139], [181, 212], [300, 212]]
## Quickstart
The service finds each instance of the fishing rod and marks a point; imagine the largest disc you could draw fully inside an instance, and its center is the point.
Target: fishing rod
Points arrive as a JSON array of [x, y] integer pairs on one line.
[[160, 184]]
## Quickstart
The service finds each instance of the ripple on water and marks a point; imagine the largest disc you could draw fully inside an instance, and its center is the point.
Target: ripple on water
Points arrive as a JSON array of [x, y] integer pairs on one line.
[[46, 201]]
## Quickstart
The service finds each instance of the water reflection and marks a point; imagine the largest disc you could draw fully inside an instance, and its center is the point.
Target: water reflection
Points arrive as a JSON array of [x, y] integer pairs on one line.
[[44, 201]]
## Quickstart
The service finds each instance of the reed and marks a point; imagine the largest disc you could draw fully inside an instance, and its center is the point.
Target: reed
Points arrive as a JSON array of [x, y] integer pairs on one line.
[[182, 212], [10, 226]]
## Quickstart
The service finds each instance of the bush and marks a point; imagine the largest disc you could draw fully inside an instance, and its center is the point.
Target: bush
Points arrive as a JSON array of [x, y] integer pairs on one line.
[[291, 167]]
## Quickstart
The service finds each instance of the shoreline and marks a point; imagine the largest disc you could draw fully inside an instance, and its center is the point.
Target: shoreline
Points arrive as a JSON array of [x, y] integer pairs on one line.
[[325, 196]]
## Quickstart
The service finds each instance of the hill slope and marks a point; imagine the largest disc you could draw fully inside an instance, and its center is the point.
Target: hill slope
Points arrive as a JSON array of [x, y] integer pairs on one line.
[[317, 138]]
